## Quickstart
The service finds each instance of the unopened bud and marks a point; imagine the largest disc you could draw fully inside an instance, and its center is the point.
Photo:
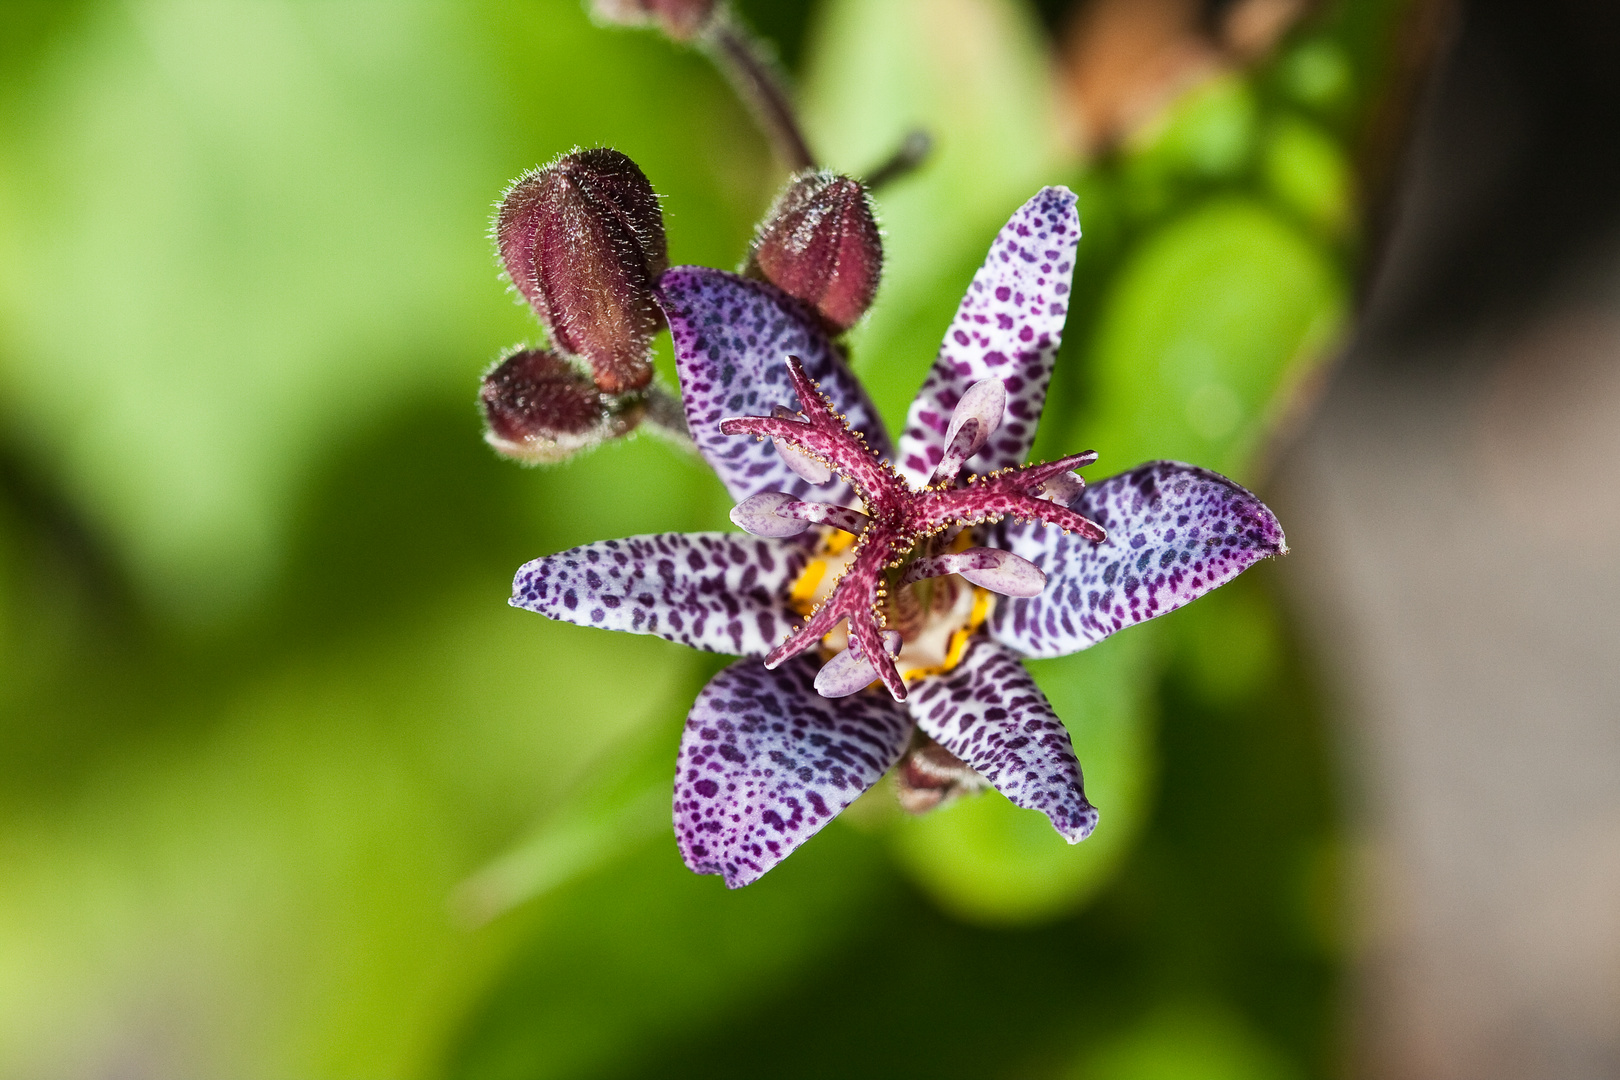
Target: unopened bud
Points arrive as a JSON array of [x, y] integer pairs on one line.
[[540, 409], [680, 19], [583, 241], [930, 776], [820, 243]]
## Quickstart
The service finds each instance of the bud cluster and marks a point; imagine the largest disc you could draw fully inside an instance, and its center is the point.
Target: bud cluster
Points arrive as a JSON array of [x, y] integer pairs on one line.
[[582, 240]]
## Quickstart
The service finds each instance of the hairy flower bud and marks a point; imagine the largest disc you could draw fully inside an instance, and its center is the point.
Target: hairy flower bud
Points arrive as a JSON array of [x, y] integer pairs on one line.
[[540, 409], [680, 19], [930, 776], [820, 243], [583, 241]]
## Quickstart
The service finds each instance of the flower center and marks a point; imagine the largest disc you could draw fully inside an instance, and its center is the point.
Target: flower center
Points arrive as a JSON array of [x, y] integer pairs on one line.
[[906, 535], [935, 617]]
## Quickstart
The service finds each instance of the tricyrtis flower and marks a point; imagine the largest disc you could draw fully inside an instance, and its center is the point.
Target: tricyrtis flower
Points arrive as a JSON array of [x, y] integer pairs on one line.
[[926, 573]]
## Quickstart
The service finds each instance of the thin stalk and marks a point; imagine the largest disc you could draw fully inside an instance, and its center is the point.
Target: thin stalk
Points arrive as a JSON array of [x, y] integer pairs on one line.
[[912, 152], [755, 79], [666, 416]]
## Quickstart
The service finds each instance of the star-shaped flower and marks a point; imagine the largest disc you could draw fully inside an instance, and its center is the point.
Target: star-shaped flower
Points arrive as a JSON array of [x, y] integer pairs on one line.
[[901, 572]]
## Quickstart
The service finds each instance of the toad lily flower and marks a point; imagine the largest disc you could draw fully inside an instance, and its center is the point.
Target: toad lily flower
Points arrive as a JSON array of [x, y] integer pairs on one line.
[[890, 595]]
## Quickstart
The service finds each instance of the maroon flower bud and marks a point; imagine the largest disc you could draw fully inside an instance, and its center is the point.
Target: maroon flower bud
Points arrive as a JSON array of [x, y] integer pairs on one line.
[[680, 19], [540, 409], [930, 776], [820, 243], [583, 241]]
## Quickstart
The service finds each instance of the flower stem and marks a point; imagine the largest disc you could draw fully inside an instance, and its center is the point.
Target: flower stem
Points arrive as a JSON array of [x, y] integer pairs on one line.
[[667, 417], [912, 152], [755, 79]]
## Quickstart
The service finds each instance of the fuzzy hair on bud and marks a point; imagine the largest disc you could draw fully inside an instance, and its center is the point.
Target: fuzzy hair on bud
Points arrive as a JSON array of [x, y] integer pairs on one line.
[[680, 19], [820, 244], [540, 409], [583, 241]]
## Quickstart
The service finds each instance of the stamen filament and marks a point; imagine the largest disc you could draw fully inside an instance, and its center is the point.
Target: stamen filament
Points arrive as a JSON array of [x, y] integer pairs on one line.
[[989, 568], [778, 514]]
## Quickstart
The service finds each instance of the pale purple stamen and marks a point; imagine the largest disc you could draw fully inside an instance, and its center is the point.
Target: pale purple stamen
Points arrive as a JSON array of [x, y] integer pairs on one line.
[[778, 514], [805, 466], [963, 444], [1064, 488], [989, 568], [850, 671], [975, 418]]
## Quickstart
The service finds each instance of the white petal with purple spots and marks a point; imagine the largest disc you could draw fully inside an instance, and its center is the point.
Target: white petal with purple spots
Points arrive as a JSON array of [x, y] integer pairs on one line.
[[732, 338], [1174, 533], [1008, 326], [765, 762], [716, 591], [988, 711]]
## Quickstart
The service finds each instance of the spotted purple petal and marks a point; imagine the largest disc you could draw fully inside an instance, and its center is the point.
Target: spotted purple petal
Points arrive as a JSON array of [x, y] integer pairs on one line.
[[765, 762], [1174, 533], [732, 337], [988, 711], [1009, 326], [716, 591]]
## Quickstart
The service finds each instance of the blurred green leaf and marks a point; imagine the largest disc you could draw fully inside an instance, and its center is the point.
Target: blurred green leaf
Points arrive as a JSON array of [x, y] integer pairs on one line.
[[1208, 326], [1208, 134], [1317, 73], [624, 805], [1308, 173], [987, 861], [282, 885], [229, 233], [1186, 1043], [647, 953], [1230, 643]]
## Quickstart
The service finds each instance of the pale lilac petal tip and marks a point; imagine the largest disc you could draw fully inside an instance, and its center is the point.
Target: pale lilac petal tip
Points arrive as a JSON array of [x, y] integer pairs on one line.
[[989, 712], [1008, 326], [1063, 488], [731, 337], [1174, 533], [802, 464], [851, 672], [989, 568], [762, 515], [1003, 572], [984, 401], [765, 762], [715, 591]]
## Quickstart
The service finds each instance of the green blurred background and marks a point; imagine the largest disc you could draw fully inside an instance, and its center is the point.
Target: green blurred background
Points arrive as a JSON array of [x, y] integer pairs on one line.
[[288, 791]]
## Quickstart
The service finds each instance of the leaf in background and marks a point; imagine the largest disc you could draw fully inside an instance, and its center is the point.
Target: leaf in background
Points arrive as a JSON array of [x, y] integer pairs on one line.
[[1308, 173], [647, 954], [624, 803], [1208, 134], [230, 233], [270, 901], [1186, 1042], [973, 73], [1206, 329], [987, 861]]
